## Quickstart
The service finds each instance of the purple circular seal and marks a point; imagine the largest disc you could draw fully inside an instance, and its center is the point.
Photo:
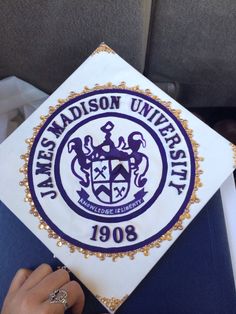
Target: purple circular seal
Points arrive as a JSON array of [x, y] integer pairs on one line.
[[117, 165]]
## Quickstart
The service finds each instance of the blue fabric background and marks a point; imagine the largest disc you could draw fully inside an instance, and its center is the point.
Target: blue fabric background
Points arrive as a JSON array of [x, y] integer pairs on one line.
[[193, 277]]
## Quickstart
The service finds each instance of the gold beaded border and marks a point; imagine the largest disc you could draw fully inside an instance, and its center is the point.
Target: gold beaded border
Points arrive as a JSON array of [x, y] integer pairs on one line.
[[112, 303], [103, 48], [131, 254], [234, 154]]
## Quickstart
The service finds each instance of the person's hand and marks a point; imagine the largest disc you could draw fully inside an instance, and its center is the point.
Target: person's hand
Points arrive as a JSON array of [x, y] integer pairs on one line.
[[29, 292]]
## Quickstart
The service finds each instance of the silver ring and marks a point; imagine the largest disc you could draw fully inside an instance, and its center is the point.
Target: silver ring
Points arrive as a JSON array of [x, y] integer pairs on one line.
[[59, 296]]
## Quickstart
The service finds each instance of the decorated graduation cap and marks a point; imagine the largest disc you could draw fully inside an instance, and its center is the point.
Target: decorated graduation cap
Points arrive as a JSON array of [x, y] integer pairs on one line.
[[112, 170]]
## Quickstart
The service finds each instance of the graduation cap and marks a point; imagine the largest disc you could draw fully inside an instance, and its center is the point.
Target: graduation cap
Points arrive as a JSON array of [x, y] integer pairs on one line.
[[109, 171]]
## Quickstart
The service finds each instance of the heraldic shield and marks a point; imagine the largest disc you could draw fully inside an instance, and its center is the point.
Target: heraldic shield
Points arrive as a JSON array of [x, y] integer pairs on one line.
[[110, 180]]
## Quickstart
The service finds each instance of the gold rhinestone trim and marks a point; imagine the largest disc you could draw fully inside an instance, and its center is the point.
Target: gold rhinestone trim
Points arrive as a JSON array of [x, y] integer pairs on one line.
[[131, 254], [234, 154], [103, 48], [112, 303]]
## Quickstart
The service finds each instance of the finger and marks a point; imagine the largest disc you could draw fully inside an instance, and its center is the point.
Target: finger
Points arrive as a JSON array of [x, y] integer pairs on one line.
[[20, 277], [50, 283], [37, 275], [75, 299]]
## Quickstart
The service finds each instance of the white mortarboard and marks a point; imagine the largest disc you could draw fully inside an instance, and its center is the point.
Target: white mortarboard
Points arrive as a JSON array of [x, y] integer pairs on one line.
[[112, 171]]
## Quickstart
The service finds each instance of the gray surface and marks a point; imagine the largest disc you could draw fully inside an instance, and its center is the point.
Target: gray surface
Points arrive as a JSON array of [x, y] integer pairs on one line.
[[43, 42], [190, 42], [194, 43]]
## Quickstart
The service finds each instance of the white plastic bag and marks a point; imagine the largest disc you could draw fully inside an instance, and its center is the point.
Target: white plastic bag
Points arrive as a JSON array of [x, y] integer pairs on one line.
[[18, 99]]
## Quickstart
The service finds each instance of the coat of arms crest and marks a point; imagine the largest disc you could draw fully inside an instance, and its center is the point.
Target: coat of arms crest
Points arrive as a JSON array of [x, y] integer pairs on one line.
[[109, 169]]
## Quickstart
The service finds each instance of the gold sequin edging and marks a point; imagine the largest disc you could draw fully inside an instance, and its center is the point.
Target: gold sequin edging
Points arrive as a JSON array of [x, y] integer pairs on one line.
[[103, 48], [131, 254], [234, 154], [112, 303]]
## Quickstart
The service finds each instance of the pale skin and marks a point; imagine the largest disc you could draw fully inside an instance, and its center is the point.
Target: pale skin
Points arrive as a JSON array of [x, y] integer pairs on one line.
[[29, 291]]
